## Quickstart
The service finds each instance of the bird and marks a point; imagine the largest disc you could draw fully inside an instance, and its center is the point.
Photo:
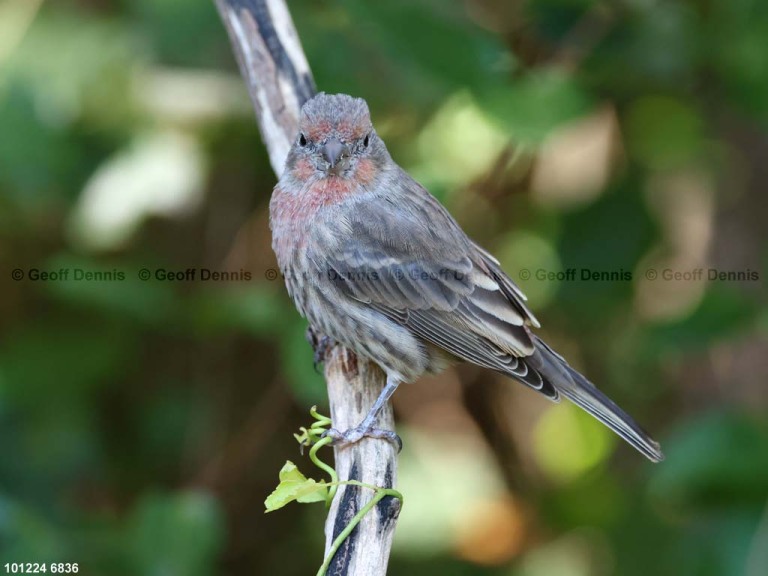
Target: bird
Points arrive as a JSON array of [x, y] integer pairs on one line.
[[373, 261]]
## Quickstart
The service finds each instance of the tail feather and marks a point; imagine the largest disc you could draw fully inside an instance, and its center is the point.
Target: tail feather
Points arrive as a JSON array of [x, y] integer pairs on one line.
[[584, 394]]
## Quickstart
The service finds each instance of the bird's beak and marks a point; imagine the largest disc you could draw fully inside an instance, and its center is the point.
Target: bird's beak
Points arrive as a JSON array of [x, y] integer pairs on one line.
[[334, 152]]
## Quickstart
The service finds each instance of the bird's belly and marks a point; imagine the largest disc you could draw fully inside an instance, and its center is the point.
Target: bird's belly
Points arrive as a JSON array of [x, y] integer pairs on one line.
[[362, 329]]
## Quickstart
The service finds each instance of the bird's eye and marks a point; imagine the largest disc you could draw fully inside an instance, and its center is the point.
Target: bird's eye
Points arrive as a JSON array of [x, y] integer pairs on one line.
[[302, 140], [366, 140]]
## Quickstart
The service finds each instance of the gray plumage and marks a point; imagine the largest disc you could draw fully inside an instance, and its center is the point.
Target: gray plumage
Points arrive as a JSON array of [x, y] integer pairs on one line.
[[374, 261]]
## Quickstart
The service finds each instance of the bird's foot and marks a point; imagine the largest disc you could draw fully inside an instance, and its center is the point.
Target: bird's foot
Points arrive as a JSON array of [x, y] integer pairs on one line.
[[321, 345], [359, 432]]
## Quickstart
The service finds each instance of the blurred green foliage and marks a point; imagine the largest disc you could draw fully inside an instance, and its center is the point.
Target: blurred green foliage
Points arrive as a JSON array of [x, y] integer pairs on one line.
[[142, 423]]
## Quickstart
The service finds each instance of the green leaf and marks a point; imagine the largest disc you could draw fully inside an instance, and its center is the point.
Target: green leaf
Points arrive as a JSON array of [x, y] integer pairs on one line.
[[175, 534], [153, 303], [664, 132], [535, 105], [257, 310], [78, 359], [621, 215], [432, 46], [723, 313], [180, 33], [736, 45], [295, 486], [715, 460], [306, 383]]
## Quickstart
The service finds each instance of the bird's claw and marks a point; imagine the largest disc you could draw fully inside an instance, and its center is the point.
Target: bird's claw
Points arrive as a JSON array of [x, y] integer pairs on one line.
[[356, 434], [321, 344]]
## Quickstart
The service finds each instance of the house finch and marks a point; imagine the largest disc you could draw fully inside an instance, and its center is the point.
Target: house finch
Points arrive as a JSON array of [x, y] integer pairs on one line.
[[374, 261]]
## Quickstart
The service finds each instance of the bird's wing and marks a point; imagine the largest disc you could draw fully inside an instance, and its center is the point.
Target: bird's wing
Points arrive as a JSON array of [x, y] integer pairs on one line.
[[409, 260]]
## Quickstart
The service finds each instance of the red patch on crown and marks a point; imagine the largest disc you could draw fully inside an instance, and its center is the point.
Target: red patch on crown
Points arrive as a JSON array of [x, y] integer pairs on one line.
[[347, 131], [351, 132], [318, 131]]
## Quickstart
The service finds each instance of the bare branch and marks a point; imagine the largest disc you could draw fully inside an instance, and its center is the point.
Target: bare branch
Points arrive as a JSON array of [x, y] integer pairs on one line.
[[273, 64], [353, 387], [279, 81]]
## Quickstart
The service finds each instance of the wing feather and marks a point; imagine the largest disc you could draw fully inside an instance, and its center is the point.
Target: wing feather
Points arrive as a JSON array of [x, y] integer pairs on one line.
[[420, 269], [417, 267]]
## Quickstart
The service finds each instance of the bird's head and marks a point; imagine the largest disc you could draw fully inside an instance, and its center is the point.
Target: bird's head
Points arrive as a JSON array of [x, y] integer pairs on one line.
[[336, 140]]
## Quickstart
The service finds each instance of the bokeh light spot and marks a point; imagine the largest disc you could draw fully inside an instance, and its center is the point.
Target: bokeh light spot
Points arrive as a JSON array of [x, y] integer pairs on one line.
[[569, 442]]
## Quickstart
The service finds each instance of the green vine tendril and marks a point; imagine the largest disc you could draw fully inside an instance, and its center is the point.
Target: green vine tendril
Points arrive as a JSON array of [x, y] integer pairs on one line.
[[295, 486]]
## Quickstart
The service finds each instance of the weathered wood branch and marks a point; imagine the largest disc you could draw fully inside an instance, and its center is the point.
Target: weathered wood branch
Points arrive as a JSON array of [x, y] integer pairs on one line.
[[275, 69], [279, 81], [353, 386]]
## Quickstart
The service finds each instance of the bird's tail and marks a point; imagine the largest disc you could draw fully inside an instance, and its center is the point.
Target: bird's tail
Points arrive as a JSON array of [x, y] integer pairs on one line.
[[568, 382]]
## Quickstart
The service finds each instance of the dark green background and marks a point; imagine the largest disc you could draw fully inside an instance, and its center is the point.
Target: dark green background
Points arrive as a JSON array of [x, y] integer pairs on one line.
[[142, 423]]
